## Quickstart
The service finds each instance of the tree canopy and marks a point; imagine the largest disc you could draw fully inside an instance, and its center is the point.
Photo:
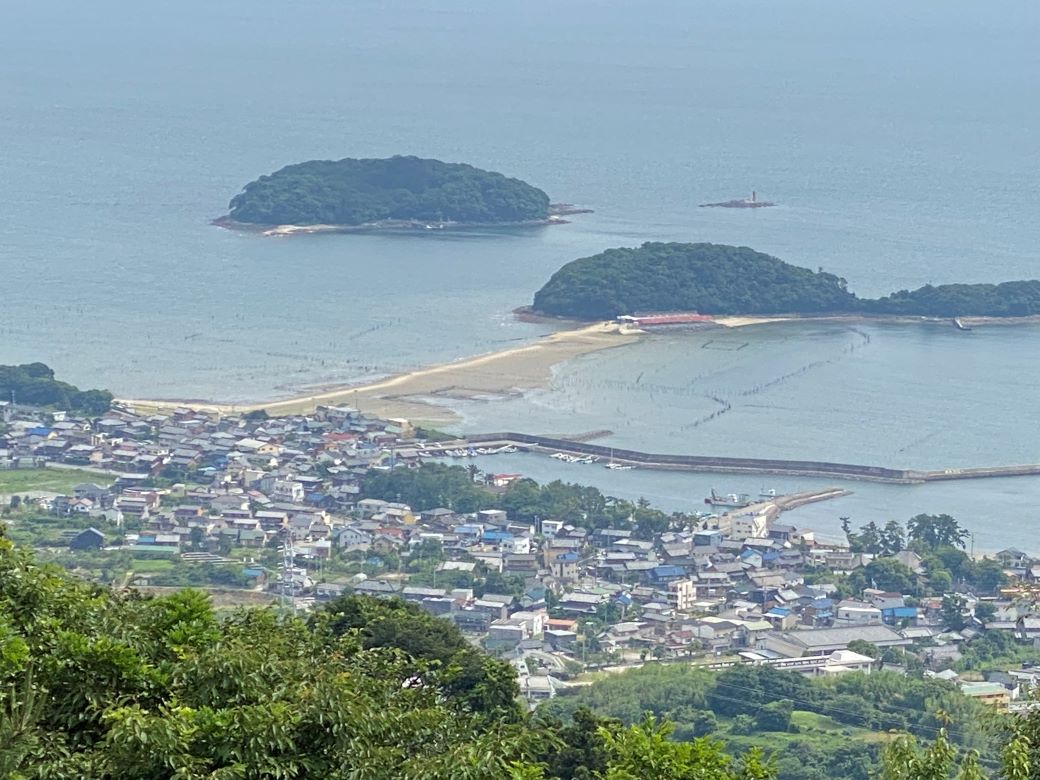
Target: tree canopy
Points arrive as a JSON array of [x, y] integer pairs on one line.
[[708, 278], [434, 485], [745, 706], [485, 685], [356, 192], [721, 279], [97, 683], [34, 383], [1009, 299]]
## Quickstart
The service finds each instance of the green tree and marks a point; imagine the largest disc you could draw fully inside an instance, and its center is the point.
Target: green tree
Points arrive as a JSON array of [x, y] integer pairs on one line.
[[98, 684], [863, 647], [644, 750], [985, 611], [579, 751], [953, 606], [775, 716], [431, 486], [886, 574], [987, 576], [904, 759], [486, 685], [34, 383], [933, 531], [893, 539]]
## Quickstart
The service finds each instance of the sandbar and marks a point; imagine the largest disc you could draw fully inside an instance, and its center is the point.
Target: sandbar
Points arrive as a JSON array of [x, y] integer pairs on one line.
[[412, 395]]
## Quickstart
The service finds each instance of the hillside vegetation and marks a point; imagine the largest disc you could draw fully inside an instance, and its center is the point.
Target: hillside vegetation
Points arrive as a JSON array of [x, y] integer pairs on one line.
[[721, 279], [99, 683], [1009, 299], [708, 278], [356, 192], [34, 383], [820, 729], [96, 683]]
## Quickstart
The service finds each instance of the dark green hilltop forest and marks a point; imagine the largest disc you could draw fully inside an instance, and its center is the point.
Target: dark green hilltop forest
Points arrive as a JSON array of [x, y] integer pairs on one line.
[[34, 383], [721, 279], [357, 192]]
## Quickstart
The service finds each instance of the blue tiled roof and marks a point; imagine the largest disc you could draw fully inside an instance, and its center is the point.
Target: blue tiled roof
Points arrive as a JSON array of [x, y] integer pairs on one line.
[[496, 536], [668, 571]]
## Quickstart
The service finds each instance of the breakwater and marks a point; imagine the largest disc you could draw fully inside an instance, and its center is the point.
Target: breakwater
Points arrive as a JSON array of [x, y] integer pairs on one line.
[[707, 463]]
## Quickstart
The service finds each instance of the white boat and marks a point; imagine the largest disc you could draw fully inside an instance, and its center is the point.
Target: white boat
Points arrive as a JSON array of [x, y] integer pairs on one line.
[[731, 500], [770, 493]]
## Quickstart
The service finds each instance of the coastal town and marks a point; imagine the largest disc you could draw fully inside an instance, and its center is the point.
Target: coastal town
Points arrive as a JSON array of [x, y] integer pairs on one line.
[[280, 510]]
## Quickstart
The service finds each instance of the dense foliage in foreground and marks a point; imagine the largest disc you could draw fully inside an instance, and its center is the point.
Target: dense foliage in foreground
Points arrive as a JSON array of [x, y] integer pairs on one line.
[[721, 279], [34, 383], [102, 684], [355, 192], [97, 683]]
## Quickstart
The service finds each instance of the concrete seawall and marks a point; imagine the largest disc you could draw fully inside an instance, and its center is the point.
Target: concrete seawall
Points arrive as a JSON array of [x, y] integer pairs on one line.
[[707, 463]]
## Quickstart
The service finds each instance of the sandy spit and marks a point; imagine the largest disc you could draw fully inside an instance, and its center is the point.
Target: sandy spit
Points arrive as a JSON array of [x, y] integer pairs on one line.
[[503, 373]]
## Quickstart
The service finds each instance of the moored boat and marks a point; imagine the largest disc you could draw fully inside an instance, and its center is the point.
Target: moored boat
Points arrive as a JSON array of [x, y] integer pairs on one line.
[[733, 500]]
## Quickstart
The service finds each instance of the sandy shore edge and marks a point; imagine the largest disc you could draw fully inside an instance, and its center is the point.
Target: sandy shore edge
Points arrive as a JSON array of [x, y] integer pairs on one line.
[[505, 373], [496, 374]]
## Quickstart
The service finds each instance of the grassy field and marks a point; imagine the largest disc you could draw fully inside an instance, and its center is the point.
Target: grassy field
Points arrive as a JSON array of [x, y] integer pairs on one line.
[[19, 481], [819, 730], [152, 566]]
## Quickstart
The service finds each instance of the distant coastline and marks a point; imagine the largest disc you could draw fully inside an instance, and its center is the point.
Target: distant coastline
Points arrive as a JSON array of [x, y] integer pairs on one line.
[[557, 214]]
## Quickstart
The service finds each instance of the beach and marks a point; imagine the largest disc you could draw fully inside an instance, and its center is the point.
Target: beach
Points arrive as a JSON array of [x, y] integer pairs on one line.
[[413, 395], [505, 373]]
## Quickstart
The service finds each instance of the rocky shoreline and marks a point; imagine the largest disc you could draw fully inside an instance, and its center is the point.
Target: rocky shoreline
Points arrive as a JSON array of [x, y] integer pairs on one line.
[[557, 212]]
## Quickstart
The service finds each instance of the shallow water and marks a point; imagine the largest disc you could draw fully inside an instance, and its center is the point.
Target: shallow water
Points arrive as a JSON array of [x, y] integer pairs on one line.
[[998, 512]]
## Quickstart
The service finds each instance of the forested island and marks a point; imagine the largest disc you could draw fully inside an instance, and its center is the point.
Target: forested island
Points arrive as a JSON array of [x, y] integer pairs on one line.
[[34, 383], [722, 279], [368, 192]]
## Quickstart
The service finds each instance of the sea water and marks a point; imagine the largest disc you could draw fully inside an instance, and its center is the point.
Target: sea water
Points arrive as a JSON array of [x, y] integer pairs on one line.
[[897, 139]]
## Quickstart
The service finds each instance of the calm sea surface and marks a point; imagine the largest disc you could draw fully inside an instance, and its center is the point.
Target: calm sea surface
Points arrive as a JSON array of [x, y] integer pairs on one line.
[[900, 141]]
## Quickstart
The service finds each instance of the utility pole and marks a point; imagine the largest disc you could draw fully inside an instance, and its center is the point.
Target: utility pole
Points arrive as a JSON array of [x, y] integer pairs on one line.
[[288, 586]]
